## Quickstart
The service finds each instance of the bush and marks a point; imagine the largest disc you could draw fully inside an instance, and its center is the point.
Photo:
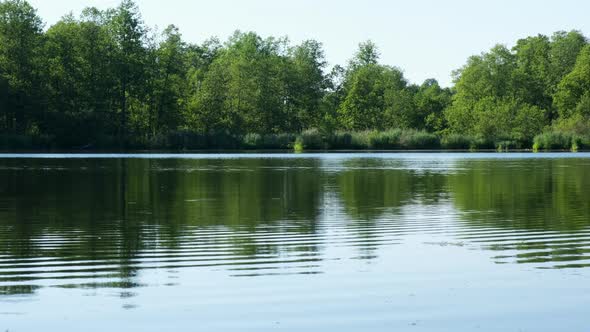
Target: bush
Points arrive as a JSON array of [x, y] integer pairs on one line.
[[394, 139], [360, 140], [339, 140], [252, 141], [457, 142], [187, 140], [461, 142], [413, 139], [580, 143], [576, 144], [554, 140], [298, 145], [386, 140], [277, 141], [312, 139], [505, 146]]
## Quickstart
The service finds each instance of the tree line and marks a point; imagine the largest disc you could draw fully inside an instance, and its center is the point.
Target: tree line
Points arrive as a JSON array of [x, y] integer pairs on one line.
[[104, 79]]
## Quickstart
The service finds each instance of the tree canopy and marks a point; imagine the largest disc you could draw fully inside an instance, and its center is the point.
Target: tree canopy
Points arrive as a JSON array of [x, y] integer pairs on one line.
[[104, 78]]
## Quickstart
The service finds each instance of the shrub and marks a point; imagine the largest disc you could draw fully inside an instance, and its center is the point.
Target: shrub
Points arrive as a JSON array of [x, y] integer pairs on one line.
[[553, 140], [252, 141], [413, 139], [269, 141], [360, 140], [385, 140], [183, 140], [580, 143], [457, 142], [339, 140], [312, 139], [277, 141], [504, 146], [298, 145]]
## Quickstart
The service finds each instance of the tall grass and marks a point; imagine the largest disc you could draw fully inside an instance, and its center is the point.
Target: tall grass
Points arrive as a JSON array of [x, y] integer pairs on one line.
[[395, 139], [553, 140], [310, 140], [559, 140], [457, 142], [269, 141], [385, 140], [466, 142], [418, 140]]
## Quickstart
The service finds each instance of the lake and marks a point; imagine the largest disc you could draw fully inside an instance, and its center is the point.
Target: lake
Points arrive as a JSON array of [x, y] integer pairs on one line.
[[322, 242]]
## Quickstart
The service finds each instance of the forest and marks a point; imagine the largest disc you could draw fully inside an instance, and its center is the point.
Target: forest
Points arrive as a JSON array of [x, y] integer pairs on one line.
[[105, 80]]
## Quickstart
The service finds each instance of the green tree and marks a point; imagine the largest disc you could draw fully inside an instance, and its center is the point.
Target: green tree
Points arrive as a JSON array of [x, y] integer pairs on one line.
[[565, 47], [307, 85], [103, 76], [400, 104], [81, 80], [248, 85], [171, 81], [129, 33], [207, 88], [367, 54], [371, 92], [497, 94], [573, 91], [533, 73], [21, 66], [98, 50], [208, 103], [431, 100], [68, 100]]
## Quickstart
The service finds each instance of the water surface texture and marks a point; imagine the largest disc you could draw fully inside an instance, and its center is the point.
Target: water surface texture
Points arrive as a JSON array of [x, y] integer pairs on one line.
[[323, 242]]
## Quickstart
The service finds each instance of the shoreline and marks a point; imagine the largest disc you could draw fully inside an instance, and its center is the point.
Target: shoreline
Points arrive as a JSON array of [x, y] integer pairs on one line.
[[274, 152]]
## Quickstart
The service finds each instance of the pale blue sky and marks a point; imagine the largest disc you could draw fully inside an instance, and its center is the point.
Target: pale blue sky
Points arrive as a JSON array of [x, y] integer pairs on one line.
[[425, 38]]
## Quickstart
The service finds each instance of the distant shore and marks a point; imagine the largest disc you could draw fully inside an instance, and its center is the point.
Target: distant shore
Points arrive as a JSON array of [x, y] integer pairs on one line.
[[104, 80], [310, 140]]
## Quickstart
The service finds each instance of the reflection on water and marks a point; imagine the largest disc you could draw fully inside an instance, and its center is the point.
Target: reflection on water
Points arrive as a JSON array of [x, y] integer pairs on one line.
[[97, 223], [537, 211]]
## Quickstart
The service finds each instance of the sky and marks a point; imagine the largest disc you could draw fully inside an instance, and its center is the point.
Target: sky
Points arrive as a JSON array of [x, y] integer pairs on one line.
[[424, 38]]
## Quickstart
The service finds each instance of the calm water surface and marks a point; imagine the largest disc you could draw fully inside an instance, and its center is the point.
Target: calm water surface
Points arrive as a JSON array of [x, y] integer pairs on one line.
[[331, 242]]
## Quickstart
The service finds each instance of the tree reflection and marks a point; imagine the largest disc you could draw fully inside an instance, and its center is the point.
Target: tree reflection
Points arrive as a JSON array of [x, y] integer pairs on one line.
[[545, 198], [100, 223]]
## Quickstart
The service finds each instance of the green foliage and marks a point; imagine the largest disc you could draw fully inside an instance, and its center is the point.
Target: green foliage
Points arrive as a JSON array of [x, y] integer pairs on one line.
[[395, 139], [298, 147], [278, 141], [505, 146], [21, 67], [430, 102], [573, 92], [106, 80], [577, 124], [312, 139], [340, 140], [553, 140], [511, 96], [268, 141], [457, 142], [253, 140], [384, 140], [495, 120], [415, 139], [576, 144]]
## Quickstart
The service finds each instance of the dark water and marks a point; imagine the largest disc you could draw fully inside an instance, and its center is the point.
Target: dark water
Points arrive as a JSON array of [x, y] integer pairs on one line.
[[361, 242]]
